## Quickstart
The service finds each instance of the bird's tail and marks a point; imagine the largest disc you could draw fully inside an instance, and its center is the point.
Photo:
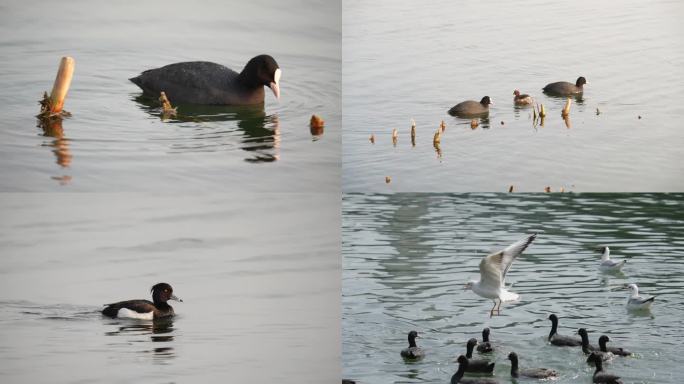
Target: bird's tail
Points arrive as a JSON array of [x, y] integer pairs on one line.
[[508, 296]]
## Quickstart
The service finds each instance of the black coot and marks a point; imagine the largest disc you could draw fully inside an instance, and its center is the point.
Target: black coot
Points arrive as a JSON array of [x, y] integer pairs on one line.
[[560, 340], [202, 82], [413, 352], [471, 108], [563, 88]]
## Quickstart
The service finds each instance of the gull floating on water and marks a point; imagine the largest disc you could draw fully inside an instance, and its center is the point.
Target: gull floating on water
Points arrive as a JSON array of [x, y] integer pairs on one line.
[[635, 301], [610, 265], [493, 269]]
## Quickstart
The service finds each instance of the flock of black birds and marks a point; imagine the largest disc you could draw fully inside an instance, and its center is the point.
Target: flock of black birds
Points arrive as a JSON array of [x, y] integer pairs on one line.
[[467, 364]]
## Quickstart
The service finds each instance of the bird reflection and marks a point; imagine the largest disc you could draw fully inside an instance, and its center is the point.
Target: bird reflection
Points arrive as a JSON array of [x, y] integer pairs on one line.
[[60, 145], [579, 98], [260, 133], [159, 331]]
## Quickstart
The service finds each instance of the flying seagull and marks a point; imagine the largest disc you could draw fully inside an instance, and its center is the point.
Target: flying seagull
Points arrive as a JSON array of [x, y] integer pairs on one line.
[[493, 269]]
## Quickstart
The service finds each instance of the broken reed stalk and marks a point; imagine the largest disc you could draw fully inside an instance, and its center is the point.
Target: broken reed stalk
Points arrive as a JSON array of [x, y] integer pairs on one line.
[[52, 106], [166, 104], [566, 109], [437, 138]]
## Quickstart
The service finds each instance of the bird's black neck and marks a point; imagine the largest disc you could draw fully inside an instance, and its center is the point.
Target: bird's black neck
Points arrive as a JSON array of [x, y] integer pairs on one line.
[[412, 342], [469, 351], [585, 342], [458, 375], [602, 345], [514, 366], [554, 328], [485, 336], [599, 365], [161, 304], [249, 77]]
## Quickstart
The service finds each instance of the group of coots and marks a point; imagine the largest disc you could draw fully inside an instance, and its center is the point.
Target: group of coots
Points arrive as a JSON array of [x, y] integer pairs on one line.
[[468, 364], [472, 108]]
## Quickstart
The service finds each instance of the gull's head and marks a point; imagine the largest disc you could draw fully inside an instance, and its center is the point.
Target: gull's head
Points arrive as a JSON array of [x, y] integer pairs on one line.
[[469, 285], [632, 287]]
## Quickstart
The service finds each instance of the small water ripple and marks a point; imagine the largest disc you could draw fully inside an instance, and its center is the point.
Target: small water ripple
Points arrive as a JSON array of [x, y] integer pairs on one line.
[[406, 258]]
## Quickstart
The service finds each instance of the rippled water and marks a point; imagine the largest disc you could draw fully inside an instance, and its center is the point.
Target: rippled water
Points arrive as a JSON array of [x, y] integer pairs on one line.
[[115, 142], [410, 59], [406, 258], [259, 277]]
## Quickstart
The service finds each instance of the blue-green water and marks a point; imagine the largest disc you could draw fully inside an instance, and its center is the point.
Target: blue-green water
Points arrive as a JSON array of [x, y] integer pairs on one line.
[[406, 258]]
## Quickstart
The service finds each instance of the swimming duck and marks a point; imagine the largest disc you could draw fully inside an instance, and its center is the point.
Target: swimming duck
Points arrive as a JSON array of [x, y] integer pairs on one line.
[[476, 365], [600, 376], [463, 364], [534, 373], [560, 340], [614, 350], [144, 309], [485, 346], [522, 99], [413, 352]]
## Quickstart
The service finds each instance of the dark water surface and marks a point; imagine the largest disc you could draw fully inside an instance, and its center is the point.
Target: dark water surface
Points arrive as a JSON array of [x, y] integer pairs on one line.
[[406, 258], [260, 280], [116, 142], [412, 59]]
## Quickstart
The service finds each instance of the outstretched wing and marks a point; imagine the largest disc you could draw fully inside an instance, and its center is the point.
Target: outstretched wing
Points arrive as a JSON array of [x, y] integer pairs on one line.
[[493, 268]]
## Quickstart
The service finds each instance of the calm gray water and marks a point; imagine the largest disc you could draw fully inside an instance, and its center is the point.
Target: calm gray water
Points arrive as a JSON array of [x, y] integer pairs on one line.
[[114, 142], [406, 258], [260, 280], [411, 59]]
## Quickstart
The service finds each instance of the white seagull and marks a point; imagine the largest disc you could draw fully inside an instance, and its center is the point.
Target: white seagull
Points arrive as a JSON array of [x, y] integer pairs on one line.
[[493, 270], [638, 302], [610, 265]]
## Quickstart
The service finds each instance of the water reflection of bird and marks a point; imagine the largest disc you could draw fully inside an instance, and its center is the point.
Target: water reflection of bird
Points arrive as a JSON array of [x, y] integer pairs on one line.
[[493, 269], [260, 132]]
